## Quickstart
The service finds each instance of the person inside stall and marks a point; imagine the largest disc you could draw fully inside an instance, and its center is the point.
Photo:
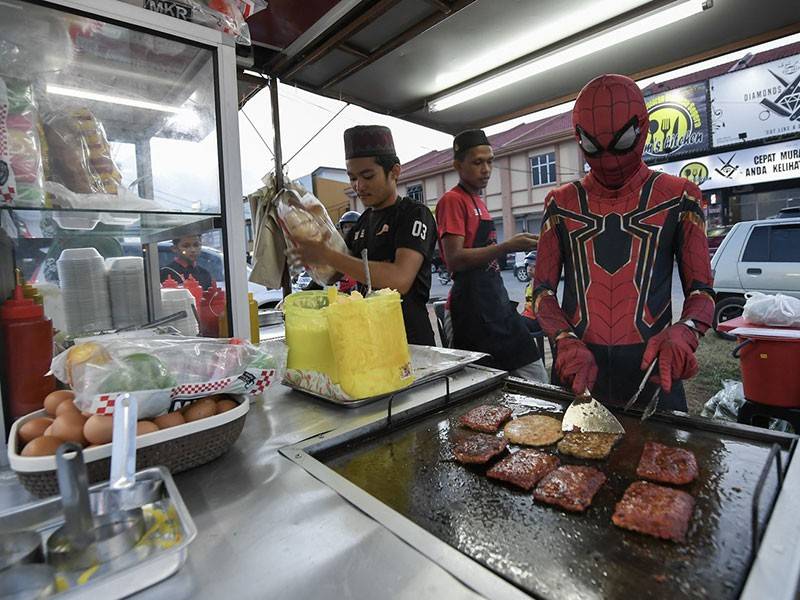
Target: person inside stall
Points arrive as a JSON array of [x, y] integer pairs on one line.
[[187, 250], [527, 312], [617, 233], [482, 316], [346, 223], [399, 234]]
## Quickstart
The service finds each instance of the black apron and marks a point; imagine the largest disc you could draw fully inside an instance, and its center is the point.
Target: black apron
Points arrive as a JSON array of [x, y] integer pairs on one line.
[[484, 320]]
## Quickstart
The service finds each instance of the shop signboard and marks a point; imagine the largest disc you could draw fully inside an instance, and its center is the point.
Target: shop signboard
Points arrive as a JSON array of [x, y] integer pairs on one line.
[[756, 103], [678, 123], [772, 162]]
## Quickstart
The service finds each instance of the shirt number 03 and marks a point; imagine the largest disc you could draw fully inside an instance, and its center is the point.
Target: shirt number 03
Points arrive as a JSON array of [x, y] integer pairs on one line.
[[420, 230]]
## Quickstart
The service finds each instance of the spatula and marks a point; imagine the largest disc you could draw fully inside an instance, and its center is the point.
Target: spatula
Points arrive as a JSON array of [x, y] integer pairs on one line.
[[587, 415]]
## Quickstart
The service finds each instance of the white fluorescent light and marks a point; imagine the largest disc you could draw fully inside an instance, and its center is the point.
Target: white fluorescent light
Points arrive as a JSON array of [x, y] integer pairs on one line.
[[76, 93], [596, 43]]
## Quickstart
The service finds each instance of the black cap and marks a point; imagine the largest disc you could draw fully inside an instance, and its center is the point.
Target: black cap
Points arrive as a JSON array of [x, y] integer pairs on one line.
[[469, 139], [368, 140]]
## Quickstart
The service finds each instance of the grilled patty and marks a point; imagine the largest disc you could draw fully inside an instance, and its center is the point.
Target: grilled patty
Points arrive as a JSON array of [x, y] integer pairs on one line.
[[524, 468], [478, 448], [533, 430], [571, 487], [656, 510], [666, 464], [588, 445], [486, 418]]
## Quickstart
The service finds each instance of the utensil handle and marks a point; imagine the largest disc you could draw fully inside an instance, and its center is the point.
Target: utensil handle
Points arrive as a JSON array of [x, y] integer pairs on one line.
[[365, 260], [737, 352], [73, 483], [123, 443]]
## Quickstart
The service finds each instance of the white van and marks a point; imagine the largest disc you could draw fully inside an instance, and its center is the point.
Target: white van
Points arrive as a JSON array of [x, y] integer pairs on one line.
[[756, 256]]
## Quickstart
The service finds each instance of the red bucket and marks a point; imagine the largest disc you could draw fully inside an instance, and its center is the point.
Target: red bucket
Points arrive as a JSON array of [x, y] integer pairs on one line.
[[770, 370]]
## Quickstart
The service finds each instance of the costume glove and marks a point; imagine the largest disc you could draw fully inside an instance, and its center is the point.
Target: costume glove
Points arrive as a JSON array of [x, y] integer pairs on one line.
[[674, 347], [575, 365]]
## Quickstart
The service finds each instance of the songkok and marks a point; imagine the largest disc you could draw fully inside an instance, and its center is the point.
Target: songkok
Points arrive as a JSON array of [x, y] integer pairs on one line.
[[368, 140], [469, 139]]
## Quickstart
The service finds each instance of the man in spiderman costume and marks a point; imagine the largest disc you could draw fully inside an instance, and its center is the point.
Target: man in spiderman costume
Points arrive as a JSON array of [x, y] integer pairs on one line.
[[616, 234]]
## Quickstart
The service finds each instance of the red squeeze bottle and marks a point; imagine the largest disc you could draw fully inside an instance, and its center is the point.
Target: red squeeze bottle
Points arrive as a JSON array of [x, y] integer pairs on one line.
[[169, 283], [195, 289], [27, 351]]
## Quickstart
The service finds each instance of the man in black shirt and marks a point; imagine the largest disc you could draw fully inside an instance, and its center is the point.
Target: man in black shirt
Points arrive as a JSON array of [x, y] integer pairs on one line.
[[187, 250], [399, 234]]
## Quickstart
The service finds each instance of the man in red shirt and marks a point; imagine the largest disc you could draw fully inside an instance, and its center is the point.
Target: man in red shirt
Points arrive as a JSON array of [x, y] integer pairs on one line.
[[483, 317]]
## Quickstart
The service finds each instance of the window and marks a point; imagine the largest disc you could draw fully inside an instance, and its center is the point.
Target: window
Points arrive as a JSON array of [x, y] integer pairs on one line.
[[757, 249], [784, 243], [415, 192], [543, 169], [775, 243]]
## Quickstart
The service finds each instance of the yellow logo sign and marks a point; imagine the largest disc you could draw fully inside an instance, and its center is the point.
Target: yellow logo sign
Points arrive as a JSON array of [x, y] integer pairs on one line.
[[675, 123], [695, 172]]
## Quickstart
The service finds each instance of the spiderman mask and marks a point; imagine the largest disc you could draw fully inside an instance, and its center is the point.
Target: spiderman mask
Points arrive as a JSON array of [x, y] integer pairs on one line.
[[610, 119]]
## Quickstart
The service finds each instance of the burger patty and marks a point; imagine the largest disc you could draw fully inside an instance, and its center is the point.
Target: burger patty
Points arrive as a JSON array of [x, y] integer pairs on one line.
[[524, 468], [666, 464], [478, 448], [533, 430], [571, 487], [486, 418], [588, 445], [656, 510]]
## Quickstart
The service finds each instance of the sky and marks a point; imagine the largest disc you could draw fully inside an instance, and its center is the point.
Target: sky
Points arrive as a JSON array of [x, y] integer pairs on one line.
[[303, 114]]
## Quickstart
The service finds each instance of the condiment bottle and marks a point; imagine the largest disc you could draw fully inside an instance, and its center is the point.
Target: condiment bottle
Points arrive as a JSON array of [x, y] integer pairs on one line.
[[194, 287], [27, 351], [255, 334], [32, 293], [212, 305], [169, 283]]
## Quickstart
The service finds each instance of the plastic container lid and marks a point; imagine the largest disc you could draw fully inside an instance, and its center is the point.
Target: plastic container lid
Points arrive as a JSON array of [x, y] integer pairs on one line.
[[79, 254], [125, 263]]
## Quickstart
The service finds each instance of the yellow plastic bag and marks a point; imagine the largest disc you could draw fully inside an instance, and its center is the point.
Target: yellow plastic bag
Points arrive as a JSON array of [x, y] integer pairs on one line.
[[358, 343]]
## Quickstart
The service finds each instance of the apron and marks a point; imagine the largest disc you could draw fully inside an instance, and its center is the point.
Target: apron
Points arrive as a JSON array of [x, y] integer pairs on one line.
[[484, 320]]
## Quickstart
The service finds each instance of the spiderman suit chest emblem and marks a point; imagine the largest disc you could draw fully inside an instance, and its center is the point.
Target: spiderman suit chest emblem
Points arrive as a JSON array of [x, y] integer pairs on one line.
[[622, 250]]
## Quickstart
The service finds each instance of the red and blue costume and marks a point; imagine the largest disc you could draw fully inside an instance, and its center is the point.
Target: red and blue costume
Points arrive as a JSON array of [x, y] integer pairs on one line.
[[616, 234]]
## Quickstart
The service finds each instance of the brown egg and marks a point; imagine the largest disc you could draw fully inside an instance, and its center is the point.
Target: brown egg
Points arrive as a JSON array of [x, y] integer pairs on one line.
[[34, 428], [169, 420], [42, 446], [98, 428], [224, 405], [48, 431], [200, 409], [69, 427], [53, 399], [68, 406], [143, 427]]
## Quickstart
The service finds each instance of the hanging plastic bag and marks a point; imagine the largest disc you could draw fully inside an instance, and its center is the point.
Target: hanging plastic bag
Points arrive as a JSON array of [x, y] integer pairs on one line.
[[726, 403], [775, 310], [8, 187], [306, 219], [227, 16]]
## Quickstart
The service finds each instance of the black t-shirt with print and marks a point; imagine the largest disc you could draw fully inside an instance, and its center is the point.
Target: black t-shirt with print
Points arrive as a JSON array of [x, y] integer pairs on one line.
[[405, 224]]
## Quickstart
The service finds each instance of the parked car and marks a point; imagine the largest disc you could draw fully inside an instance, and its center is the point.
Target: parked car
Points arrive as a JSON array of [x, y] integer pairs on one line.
[[715, 237], [755, 256], [789, 212]]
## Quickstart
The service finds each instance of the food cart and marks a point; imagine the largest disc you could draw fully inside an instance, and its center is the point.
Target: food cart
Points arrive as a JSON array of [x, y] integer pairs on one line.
[[318, 500]]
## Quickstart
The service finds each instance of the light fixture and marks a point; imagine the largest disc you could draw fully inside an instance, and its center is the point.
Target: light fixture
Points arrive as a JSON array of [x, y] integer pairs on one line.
[[86, 95], [616, 35]]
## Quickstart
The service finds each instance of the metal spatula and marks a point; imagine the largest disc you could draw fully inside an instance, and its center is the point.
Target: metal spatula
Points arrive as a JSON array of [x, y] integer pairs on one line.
[[587, 415]]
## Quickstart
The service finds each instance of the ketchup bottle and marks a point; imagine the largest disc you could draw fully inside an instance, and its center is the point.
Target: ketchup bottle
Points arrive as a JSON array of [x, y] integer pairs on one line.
[[169, 283], [27, 351], [194, 287]]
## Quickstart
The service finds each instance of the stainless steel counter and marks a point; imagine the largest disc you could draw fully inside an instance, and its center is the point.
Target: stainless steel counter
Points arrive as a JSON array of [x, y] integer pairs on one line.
[[267, 529]]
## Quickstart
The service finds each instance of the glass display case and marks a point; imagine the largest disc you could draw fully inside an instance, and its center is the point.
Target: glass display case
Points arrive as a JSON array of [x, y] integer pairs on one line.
[[119, 140]]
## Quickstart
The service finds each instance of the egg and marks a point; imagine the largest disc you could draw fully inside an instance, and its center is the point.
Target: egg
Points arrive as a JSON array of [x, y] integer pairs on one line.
[[69, 427], [42, 446], [169, 420], [143, 427], [98, 428], [200, 409], [34, 428], [224, 405], [53, 399], [48, 431], [67, 406]]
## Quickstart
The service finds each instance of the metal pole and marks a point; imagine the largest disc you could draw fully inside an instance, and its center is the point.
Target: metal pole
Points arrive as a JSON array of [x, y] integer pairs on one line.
[[286, 283]]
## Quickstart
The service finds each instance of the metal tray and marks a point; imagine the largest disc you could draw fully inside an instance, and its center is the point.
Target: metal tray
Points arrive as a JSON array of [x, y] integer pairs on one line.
[[501, 543], [427, 362], [127, 574]]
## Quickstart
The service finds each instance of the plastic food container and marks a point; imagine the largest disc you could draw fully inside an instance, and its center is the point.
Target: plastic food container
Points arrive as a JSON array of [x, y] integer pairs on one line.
[[177, 448]]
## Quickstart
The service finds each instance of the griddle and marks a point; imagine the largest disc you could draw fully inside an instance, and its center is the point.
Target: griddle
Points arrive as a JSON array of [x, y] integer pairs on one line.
[[546, 552]]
